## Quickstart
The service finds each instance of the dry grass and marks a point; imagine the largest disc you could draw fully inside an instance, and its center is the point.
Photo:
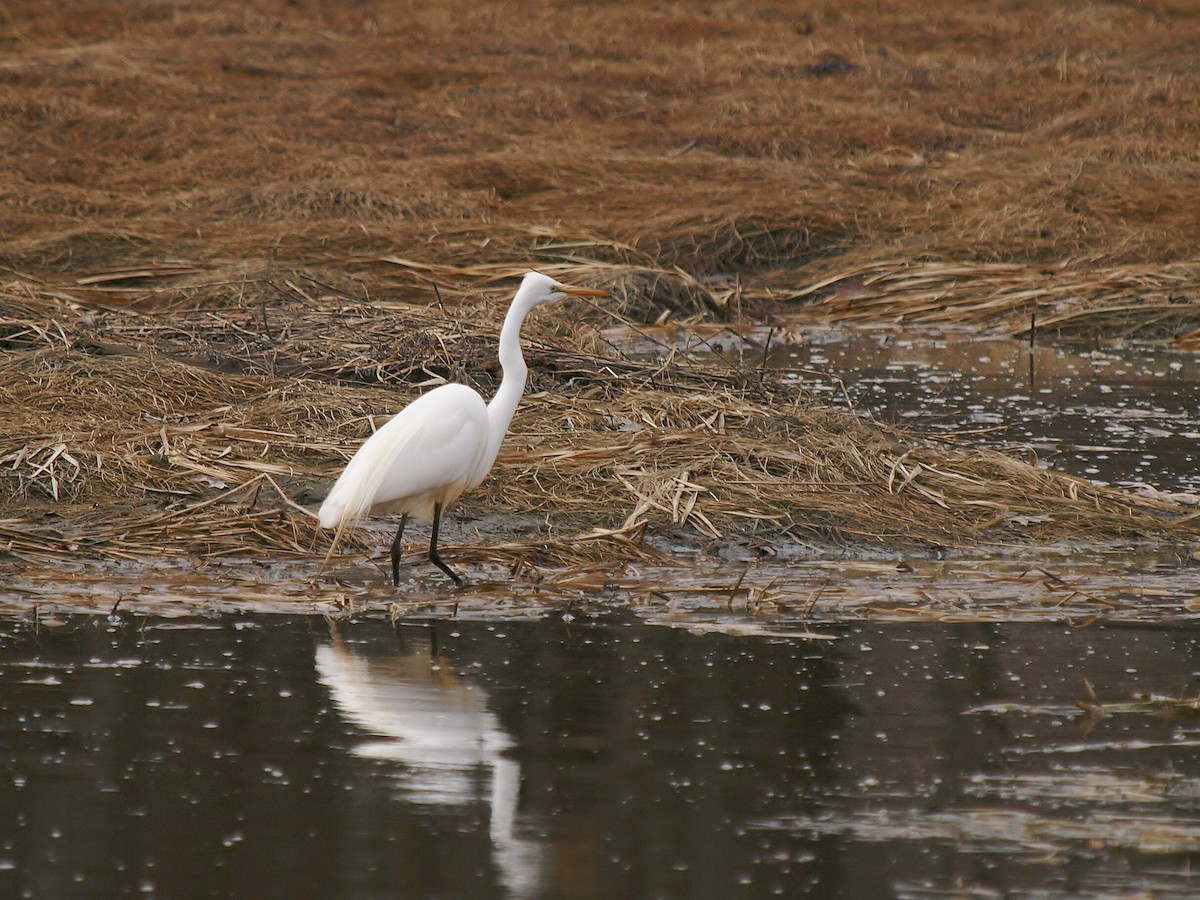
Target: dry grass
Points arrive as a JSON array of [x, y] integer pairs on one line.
[[214, 429], [779, 145], [1121, 301], [221, 227]]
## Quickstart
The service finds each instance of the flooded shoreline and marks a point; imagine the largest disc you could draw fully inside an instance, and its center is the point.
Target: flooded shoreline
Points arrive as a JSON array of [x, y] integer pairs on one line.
[[797, 597], [757, 605], [762, 716], [1120, 412], [1128, 414]]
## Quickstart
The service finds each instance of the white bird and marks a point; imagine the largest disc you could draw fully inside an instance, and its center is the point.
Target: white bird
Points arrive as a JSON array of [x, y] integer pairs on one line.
[[441, 444]]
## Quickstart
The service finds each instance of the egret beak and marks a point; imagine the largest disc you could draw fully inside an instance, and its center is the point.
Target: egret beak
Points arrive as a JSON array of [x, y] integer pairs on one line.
[[580, 292]]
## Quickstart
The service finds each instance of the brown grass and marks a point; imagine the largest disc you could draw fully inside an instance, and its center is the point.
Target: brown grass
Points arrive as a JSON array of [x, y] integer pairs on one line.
[[214, 429], [1147, 301], [725, 138], [221, 225]]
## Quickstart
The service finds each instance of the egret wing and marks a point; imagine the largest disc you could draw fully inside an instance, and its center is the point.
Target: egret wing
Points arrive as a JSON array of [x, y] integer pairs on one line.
[[422, 455]]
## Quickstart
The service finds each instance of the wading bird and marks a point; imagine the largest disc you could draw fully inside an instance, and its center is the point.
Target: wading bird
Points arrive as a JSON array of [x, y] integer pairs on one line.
[[441, 444]]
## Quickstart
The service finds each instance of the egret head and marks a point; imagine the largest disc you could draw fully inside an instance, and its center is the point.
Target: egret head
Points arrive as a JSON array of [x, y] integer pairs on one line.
[[538, 288]]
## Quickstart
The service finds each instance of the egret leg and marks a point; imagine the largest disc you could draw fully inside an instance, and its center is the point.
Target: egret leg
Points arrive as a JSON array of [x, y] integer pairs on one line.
[[396, 551], [433, 554]]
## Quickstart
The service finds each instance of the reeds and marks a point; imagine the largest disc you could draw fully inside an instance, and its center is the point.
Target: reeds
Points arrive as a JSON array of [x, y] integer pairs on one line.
[[214, 429], [199, 322], [1161, 301], [776, 146]]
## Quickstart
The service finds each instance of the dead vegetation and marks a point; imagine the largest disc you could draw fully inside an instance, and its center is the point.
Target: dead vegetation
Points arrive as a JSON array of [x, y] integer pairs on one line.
[[779, 145], [1017, 298], [213, 429], [1094, 711], [225, 227]]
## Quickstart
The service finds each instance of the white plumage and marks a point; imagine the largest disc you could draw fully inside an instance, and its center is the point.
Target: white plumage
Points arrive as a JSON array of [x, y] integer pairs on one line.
[[441, 444], [441, 438]]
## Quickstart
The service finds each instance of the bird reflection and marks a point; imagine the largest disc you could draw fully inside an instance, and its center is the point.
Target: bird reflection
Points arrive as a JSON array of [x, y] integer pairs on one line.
[[438, 726]]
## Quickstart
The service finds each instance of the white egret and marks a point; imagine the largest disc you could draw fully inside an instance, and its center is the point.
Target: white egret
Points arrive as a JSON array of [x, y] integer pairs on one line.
[[441, 444]]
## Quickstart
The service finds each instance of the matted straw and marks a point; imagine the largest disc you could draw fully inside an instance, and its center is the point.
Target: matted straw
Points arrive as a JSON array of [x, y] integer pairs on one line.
[[136, 433]]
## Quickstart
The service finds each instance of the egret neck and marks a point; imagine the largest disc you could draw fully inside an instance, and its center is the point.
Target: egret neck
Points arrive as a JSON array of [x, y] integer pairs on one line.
[[512, 384]]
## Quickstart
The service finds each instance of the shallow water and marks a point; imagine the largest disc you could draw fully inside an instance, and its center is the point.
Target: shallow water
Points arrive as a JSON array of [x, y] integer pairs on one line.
[[596, 758], [1121, 413], [1124, 415], [795, 593]]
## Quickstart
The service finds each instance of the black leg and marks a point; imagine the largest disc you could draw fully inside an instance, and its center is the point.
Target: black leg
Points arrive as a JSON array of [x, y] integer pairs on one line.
[[396, 551], [433, 554]]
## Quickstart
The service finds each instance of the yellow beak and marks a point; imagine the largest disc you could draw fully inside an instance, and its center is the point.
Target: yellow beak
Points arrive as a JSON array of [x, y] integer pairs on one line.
[[580, 291]]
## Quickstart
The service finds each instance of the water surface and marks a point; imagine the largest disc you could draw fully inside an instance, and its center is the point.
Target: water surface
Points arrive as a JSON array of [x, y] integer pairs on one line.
[[1120, 412], [600, 757]]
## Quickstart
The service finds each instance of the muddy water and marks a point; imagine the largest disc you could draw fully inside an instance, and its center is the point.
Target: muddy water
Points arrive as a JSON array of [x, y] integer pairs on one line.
[[283, 756]]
